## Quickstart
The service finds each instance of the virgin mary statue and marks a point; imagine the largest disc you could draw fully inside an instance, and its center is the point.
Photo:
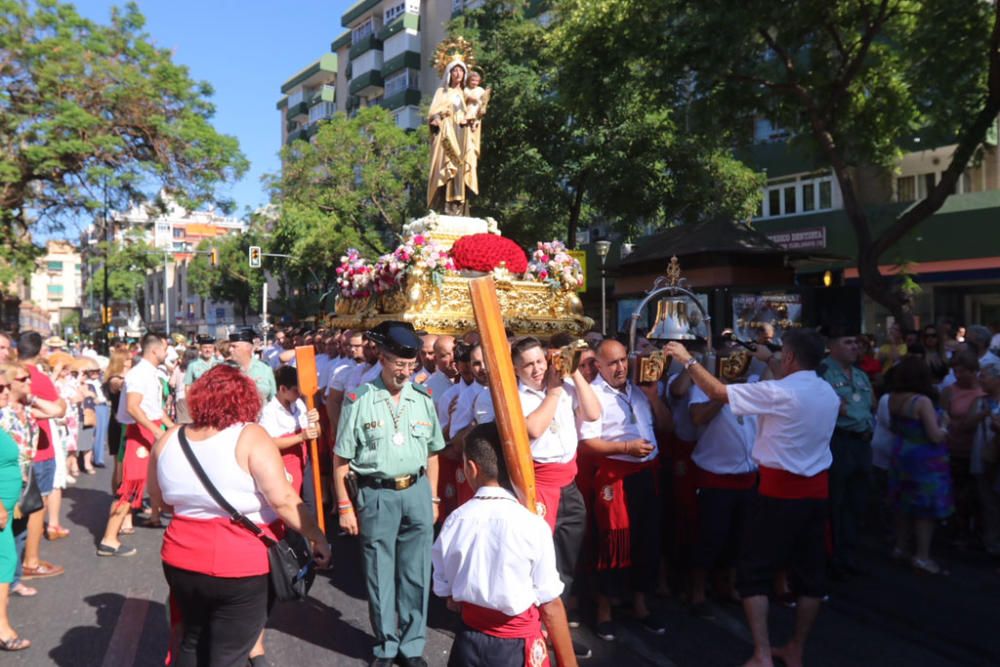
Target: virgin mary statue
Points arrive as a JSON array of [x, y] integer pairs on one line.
[[453, 165]]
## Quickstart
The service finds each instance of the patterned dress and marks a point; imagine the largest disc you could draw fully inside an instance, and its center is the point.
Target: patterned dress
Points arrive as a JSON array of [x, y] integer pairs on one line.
[[919, 472]]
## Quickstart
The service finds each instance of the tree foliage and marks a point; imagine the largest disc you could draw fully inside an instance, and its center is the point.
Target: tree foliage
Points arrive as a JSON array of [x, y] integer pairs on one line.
[[852, 80], [354, 185], [232, 280], [127, 264], [94, 115]]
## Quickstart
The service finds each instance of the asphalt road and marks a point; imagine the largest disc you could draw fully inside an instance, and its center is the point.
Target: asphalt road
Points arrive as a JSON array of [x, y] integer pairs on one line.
[[110, 612]]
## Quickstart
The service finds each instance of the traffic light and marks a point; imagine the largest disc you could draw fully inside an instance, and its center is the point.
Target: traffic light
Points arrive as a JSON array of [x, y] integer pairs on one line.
[[215, 256], [106, 315], [255, 257]]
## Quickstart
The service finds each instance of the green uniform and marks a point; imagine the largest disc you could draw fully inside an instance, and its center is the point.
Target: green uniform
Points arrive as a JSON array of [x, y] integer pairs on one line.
[[850, 472], [197, 368], [384, 440], [263, 377]]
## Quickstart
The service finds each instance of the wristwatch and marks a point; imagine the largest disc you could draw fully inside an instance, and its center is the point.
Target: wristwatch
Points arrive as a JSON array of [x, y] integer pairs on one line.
[[690, 362]]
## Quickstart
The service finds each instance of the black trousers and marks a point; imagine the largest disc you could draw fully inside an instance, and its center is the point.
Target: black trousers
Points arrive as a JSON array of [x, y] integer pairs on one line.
[[476, 649], [571, 526], [721, 515], [783, 534], [645, 532], [221, 617], [850, 480]]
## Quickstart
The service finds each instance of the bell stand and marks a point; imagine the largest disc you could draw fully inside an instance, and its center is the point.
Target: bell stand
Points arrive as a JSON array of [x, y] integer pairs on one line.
[[669, 286]]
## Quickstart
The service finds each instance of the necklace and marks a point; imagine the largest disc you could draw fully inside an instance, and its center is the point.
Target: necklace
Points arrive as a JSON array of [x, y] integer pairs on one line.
[[397, 437]]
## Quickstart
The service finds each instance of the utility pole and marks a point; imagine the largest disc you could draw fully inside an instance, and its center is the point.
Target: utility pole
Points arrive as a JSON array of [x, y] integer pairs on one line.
[[106, 296], [166, 293], [263, 316]]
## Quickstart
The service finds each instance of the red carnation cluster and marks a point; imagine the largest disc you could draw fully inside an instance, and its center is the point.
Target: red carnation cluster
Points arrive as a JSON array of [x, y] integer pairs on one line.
[[485, 252]]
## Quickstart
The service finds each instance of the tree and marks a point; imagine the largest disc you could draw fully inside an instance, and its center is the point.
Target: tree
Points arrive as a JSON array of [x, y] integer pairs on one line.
[[852, 81], [127, 264], [354, 185], [232, 281], [95, 115], [550, 167]]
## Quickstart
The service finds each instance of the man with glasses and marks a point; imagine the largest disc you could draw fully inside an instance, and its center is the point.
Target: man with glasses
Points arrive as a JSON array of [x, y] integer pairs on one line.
[[387, 439]]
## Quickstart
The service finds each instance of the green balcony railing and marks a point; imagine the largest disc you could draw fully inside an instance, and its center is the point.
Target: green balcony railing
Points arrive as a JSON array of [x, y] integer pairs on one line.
[[364, 45], [370, 79], [404, 98], [409, 59]]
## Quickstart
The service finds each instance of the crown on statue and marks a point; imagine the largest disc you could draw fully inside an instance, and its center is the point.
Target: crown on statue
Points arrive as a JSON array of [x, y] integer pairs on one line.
[[452, 50]]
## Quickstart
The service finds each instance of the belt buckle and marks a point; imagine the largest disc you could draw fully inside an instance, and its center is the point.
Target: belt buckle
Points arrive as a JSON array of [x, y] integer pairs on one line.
[[403, 482]]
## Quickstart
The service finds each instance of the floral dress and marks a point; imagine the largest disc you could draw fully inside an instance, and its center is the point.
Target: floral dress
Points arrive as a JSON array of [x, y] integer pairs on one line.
[[21, 426], [919, 471]]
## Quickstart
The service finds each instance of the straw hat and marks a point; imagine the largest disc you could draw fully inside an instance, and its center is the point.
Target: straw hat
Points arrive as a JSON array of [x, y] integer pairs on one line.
[[82, 364], [59, 359]]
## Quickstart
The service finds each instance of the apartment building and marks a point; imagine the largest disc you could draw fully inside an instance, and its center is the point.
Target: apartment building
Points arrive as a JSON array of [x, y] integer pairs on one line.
[[953, 256], [308, 97], [56, 284]]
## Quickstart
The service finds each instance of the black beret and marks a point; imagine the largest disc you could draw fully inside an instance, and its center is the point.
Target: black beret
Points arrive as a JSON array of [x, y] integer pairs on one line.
[[205, 339], [397, 338], [245, 335]]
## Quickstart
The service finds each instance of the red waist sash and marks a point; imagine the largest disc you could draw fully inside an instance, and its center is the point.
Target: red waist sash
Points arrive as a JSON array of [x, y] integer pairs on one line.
[[777, 483], [138, 445], [217, 547], [294, 458], [550, 480], [526, 625], [736, 482], [611, 511]]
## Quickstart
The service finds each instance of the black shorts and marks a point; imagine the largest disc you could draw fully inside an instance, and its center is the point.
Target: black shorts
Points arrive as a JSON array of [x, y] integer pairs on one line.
[[780, 535], [721, 516]]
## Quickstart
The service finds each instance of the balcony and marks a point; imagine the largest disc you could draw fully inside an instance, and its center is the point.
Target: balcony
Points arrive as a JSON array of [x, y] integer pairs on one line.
[[322, 94], [295, 110], [369, 43], [404, 98], [301, 133], [407, 59], [357, 10], [367, 84], [405, 22]]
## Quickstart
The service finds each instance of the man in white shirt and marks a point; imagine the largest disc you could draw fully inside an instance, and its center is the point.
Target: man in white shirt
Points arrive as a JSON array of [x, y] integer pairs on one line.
[[455, 412], [341, 376], [724, 477], [495, 562], [291, 425], [626, 502], [141, 411], [446, 372], [787, 525], [553, 405]]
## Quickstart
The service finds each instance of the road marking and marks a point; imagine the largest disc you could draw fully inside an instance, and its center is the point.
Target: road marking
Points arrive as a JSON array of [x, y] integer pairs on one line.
[[125, 639]]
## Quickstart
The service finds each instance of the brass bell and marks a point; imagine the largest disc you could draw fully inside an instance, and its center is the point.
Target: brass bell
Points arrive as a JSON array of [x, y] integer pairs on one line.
[[672, 321]]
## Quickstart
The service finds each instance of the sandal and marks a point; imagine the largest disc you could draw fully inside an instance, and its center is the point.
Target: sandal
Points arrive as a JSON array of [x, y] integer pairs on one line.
[[928, 566], [44, 569], [14, 644], [149, 523], [127, 531], [23, 591], [56, 533]]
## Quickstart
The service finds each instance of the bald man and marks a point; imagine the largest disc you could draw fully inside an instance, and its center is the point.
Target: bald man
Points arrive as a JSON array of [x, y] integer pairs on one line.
[[445, 369], [427, 352]]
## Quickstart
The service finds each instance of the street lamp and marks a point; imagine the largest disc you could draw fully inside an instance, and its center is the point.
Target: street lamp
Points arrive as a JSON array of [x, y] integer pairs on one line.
[[602, 248]]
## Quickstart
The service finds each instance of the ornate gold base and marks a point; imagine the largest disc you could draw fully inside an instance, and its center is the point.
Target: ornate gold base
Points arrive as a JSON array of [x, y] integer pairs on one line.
[[529, 308]]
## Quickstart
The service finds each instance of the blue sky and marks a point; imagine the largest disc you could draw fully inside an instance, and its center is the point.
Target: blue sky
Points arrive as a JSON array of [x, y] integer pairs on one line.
[[246, 49]]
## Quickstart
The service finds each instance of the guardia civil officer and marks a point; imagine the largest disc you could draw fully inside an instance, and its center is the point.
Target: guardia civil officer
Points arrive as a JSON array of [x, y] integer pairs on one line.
[[386, 440], [205, 361]]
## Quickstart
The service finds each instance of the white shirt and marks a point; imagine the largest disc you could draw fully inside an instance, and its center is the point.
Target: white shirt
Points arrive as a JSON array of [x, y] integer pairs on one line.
[[725, 443], [438, 383], [482, 407], [278, 421], [796, 418], [323, 362], [683, 426], [338, 374], [370, 374], [558, 443], [143, 378], [494, 553], [271, 355], [354, 378], [624, 416], [462, 415]]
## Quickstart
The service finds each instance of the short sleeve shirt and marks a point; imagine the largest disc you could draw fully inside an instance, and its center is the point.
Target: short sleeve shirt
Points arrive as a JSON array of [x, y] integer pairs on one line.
[[143, 378], [386, 439], [279, 422], [625, 415], [558, 443], [197, 368], [263, 377], [43, 387]]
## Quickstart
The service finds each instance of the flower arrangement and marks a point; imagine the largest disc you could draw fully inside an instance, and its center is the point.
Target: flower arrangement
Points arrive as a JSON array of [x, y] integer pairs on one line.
[[418, 253], [552, 264], [485, 252], [354, 275]]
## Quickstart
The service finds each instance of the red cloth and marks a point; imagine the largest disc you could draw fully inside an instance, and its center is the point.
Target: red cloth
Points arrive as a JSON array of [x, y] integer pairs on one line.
[[217, 547], [735, 482], [295, 462], [138, 445], [614, 541], [526, 626], [776, 483], [42, 387], [550, 480]]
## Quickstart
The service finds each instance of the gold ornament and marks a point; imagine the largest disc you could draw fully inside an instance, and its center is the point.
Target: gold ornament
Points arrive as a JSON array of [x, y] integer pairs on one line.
[[453, 49]]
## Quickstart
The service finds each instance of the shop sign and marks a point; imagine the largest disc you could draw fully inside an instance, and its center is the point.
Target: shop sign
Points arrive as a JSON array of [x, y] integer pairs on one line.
[[800, 239]]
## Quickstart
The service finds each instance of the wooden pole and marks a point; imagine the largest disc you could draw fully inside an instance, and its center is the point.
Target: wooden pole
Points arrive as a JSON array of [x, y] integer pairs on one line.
[[305, 363], [503, 389]]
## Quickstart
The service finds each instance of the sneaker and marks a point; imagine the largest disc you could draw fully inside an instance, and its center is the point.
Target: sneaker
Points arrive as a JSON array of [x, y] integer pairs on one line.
[[122, 550], [654, 624], [606, 631], [573, 619], [582, 651]]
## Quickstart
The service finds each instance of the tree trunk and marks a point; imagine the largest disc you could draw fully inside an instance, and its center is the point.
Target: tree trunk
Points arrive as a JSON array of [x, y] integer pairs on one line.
[[574, 212]]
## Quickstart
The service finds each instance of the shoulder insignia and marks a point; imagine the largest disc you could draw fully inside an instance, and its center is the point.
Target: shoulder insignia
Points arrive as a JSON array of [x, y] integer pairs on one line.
[[357, 393], [422, 388]]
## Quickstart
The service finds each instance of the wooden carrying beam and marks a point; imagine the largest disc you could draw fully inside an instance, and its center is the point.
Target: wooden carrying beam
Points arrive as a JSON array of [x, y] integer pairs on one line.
[[305, 364], [503, 389]]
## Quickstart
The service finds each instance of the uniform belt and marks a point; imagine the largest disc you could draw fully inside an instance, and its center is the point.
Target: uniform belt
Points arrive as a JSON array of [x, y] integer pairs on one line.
[[394, 483]]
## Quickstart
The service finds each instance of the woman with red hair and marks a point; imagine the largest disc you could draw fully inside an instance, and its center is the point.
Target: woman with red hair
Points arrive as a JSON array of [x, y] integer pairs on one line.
[[217, 569]]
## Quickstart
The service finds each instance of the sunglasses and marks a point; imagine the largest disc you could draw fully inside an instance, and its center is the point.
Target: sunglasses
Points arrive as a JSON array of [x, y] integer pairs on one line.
[[4, 387]]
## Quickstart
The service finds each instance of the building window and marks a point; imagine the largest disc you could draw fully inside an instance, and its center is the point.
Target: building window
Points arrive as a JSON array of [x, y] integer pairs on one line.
[[322, 111], [362, 31], [808, 197], [825, 195], [906, 188], [808, 193], [789, 200], [394, 11], [54, 267], [178, 232], [925, 183], [401, 81], [774, 202]]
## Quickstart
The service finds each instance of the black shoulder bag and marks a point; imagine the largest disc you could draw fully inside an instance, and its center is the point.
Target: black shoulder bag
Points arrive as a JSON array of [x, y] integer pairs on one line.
[[292, 565]]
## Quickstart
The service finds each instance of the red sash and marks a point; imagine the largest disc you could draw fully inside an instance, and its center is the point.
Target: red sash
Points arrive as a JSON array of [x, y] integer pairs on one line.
[[614, 549], [138, 445], [217, 547], [526, 625], [295, 462], [735, 482], [550, 480], [777, 483]]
